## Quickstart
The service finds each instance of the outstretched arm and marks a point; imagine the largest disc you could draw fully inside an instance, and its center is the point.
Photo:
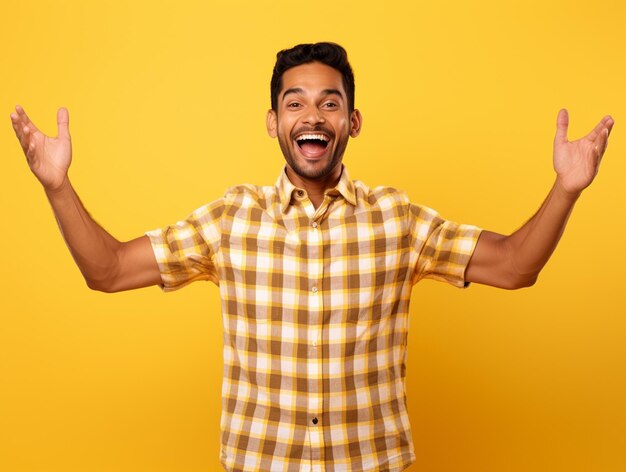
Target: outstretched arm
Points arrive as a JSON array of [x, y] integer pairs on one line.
[[106, 263], [515, 261]]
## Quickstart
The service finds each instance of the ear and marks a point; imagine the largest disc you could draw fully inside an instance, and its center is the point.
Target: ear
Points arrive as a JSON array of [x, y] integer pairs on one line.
[[271, 121], [356, 121]]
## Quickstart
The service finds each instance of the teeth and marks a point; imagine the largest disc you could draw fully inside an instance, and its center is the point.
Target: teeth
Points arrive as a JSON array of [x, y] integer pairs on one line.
[[321, 137]]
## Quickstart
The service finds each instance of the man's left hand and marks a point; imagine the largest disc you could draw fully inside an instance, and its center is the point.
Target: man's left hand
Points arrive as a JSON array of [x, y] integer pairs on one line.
[[577, 162]]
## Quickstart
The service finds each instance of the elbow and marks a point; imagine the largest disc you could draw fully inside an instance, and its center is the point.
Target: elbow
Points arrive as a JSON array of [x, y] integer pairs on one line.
[[525, 282], [100, 285], [520, 281], [532, 280], [102, 277], [519, 277], [106, 281]]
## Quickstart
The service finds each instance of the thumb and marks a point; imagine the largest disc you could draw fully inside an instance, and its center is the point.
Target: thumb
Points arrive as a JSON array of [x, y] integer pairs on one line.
[[562, 122], [63, 122]]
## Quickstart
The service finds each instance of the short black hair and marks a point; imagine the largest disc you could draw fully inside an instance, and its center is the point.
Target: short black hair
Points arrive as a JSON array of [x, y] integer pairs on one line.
[[331, 54]]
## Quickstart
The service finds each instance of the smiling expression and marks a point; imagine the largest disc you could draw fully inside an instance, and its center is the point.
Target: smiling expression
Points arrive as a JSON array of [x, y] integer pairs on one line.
[[312, 121]]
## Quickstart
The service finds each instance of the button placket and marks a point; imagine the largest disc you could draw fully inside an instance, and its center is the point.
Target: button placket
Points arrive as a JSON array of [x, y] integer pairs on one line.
[[313, 333], [316, 338]]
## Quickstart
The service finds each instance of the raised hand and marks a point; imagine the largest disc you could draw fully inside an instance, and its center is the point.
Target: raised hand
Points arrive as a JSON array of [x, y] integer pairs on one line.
[[48, 158], [577, 162]]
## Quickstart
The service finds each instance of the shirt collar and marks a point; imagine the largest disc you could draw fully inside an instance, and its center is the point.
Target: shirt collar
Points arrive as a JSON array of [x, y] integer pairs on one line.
[[345, 188]]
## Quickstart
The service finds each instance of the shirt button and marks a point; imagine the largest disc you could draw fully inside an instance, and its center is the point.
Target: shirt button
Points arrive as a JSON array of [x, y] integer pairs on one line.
[[314, 224], [314, 421], [314, 289]]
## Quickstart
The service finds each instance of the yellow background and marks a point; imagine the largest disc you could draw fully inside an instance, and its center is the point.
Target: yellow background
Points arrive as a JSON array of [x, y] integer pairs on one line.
[[167, 104]]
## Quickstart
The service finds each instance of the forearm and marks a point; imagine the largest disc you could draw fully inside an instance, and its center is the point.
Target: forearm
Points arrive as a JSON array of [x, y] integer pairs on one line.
[[530, 247], [107, 264], [94, 250], [515, 261]]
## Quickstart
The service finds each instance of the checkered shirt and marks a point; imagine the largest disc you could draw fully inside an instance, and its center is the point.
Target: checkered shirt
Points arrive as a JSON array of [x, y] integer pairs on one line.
[[315, 310]]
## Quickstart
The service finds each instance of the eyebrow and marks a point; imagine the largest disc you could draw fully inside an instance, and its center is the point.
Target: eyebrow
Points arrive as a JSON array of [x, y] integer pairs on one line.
[[300, 91]]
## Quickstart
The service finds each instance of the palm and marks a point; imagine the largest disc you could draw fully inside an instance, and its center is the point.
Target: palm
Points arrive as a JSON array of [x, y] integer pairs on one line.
[[577, 162], [49, 158]]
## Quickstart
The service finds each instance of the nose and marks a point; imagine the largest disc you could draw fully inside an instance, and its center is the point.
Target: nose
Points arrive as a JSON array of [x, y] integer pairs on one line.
[[314, 116]]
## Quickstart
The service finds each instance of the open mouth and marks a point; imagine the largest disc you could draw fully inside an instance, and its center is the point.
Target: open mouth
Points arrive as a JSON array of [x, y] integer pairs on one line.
[[312, 144]]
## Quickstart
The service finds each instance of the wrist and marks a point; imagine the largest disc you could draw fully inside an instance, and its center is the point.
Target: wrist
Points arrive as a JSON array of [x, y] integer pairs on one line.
[[57, 189], [561, 190]]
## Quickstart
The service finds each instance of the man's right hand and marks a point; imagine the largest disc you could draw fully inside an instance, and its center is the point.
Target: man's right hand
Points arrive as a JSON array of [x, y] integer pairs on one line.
[[48, 158]]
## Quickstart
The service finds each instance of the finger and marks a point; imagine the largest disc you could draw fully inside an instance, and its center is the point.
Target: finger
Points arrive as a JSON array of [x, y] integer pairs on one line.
[[605, 132], [562, 123], [603, 142], [15, 122], [599, 145], [609, 122], [18, 124], [25, 119], [63, 123], [25, 139], [21, 114], [30, 152], [605, 123]]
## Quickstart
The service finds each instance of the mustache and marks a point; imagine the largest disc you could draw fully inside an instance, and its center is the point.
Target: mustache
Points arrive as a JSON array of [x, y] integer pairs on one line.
[[313, 129]]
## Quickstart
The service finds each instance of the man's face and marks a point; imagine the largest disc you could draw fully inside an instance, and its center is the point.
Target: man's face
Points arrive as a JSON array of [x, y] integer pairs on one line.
[[313, 121]]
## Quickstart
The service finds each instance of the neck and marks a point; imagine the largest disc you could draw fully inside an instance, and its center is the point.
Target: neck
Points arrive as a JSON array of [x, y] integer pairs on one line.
[[315, 188]]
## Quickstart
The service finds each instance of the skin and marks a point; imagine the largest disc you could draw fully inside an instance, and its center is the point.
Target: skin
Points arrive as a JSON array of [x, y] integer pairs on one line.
[[305, 103], [514, 261], [313, 99], [107, 264]]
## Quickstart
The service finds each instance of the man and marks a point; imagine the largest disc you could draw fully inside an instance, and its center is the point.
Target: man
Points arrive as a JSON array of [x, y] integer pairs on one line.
[[314, 273]]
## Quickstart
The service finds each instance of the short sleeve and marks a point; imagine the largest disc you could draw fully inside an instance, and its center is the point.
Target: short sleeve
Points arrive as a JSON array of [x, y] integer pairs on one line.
[[444, 248], [186, 250]]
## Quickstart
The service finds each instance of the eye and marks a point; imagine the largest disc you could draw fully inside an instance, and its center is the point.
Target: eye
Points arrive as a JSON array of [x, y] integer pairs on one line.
[[330, 105], [293, 105]]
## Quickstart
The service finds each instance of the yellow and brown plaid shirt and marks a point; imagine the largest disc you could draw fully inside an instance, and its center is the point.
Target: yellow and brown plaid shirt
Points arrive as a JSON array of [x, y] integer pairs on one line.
[[315, 310]]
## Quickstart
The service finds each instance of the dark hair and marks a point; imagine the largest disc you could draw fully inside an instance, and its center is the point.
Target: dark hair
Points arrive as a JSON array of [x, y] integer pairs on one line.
[[330, 54]]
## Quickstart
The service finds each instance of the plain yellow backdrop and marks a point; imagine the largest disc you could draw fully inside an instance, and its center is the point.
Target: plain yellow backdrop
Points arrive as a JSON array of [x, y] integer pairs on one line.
[[167, 104]]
